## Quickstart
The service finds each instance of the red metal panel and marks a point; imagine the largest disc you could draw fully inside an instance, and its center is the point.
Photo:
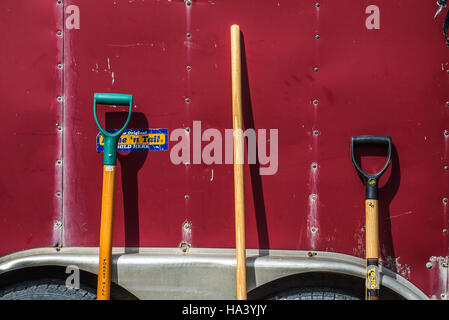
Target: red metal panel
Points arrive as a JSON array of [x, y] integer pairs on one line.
[[125, 47], [395, 85], [30, 143], [391, 81]]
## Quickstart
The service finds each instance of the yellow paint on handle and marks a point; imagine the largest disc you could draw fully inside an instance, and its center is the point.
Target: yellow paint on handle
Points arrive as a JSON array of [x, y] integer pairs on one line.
[[107, 216], [372, 229], [238, 162]]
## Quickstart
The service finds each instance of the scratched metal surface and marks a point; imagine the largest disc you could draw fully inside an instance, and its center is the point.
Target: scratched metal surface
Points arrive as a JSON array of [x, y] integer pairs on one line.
[[30, 143], [391, 81]]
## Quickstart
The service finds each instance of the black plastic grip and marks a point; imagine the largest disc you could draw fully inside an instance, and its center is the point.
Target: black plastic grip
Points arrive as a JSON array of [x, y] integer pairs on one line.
[[371, 179], [371, 140]]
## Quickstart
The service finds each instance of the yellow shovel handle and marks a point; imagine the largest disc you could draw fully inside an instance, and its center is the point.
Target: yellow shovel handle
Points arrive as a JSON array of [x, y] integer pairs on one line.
[[107, 216]]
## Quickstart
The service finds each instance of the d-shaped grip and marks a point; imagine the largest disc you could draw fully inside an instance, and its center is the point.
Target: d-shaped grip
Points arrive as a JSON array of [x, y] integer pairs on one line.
[[111, 138], [371, 179], [113, 99]]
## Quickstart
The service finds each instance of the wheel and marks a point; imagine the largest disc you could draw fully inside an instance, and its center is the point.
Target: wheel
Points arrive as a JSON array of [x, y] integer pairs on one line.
[[314, 293], [46, 289]]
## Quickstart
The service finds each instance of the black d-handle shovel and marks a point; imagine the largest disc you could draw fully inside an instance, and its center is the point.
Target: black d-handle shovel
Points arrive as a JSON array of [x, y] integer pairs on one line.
[[371, 213]]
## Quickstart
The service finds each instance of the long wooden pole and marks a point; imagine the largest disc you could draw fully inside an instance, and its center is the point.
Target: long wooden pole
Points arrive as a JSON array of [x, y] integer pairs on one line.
[[238, 162]]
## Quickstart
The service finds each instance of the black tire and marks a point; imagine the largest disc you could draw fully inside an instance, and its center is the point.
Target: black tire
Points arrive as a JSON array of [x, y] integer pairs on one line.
[[46, 289], [315, 293]]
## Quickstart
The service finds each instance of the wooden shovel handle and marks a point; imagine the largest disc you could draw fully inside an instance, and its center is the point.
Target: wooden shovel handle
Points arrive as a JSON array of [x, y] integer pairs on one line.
[[372, 249], [238, 162], [107, 216]]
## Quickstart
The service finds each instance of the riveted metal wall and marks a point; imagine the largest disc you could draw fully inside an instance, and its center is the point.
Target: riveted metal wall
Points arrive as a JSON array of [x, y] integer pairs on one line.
[[31, 113], [314, 72]]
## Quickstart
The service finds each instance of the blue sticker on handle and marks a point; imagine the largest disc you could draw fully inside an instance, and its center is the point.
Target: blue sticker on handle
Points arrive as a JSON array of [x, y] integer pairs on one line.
[[139, 140]]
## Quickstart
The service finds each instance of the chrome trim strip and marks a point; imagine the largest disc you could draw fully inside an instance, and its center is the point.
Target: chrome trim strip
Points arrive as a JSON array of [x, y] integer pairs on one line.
[[201, 273]]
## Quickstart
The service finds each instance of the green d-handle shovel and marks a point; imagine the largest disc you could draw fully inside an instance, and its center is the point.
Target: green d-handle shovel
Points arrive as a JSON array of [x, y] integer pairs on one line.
[[107, 201], [371, 213]]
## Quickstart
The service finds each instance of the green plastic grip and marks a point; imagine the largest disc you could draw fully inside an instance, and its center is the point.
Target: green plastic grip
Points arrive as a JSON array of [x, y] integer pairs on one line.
[[111, 138], [113, 98]]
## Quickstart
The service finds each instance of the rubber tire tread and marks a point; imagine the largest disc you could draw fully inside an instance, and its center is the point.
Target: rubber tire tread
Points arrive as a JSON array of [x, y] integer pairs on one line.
[[315, 293], [46, 289]]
